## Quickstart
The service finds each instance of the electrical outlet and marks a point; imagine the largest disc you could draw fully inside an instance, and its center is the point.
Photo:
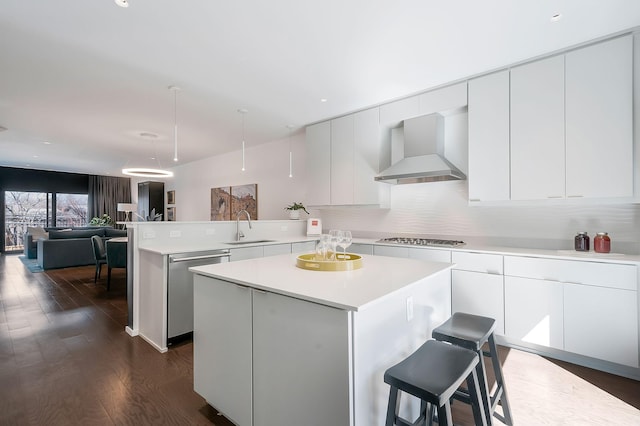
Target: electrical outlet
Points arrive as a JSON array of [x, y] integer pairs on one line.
[[175, 234], [409, 308], [283, 228], [148, 235]]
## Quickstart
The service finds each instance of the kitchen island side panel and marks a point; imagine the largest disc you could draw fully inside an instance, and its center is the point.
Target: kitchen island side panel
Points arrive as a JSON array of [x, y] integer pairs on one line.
[[389, 331], [153, 299]]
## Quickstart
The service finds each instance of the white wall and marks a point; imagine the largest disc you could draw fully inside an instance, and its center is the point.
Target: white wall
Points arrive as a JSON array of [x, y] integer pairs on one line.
[[266, 165]]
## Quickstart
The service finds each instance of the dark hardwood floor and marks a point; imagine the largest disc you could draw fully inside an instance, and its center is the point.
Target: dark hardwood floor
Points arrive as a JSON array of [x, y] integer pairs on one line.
[[65, 359]]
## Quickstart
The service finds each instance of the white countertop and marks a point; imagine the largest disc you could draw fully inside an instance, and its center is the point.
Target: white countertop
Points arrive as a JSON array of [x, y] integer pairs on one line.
[[350, 290], [517, 251], [182, 246]]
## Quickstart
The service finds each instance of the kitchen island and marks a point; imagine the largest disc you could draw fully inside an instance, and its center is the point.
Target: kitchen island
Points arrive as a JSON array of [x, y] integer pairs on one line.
[[275, 344]]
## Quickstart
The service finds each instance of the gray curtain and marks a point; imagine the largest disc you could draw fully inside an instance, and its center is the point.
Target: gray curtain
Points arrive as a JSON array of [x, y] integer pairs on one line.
[[105, 192]]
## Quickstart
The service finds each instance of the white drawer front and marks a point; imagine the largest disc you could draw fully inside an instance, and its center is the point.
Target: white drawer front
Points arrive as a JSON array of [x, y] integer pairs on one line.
[[379, 250], [573, 271], [477, 262], [434, 255]]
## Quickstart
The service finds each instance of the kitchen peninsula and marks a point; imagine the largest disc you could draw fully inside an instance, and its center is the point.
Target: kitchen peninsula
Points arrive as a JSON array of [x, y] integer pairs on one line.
[[275, 344]]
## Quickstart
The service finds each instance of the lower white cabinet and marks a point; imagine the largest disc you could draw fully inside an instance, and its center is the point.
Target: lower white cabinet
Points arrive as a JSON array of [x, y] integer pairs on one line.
[[303, 247], [586, 308], [477, 286], [534, 311], [243, 253], [478, 293], [290, 332], [601, 323], [276, 249], [360, 248], [224, 372]]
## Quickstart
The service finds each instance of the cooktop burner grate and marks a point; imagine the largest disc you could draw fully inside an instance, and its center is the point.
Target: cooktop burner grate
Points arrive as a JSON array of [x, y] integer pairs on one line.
[[422, 242]]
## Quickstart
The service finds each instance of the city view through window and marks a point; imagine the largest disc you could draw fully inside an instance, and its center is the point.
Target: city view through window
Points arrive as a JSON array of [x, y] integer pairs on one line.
[[34, 209]]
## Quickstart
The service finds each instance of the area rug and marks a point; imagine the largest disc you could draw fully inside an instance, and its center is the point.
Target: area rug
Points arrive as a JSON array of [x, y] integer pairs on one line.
[[31, 264]]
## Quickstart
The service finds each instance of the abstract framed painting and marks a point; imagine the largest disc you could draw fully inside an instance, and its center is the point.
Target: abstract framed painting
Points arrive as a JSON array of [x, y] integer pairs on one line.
[[244, 197], [221, 203]]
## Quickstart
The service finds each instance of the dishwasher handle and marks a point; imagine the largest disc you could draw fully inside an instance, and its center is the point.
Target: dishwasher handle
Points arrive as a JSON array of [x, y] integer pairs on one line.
[[203, 257]]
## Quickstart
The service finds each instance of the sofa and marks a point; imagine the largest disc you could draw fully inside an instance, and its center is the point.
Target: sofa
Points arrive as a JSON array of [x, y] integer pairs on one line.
[[71, 247]]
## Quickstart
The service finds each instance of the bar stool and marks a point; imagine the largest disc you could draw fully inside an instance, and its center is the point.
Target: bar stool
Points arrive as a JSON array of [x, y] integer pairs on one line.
[[433, 373], [472, 332]]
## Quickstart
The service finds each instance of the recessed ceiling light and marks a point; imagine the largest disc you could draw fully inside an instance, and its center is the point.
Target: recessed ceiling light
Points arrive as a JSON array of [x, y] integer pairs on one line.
[[323, 100], [35, 156], [556, 17], [46, 143], [122, 3]]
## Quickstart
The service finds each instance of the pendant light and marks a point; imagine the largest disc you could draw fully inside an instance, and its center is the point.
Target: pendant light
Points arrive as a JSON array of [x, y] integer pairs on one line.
[[290, 127], [175, 91], [243, 111], [150, 172]]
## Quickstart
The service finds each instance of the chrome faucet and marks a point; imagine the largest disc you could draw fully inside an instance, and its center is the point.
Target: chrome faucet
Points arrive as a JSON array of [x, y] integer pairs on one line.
[[239, 233]]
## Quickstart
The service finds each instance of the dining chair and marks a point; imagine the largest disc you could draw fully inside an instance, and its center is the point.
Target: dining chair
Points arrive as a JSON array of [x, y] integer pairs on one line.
[[99, 255]]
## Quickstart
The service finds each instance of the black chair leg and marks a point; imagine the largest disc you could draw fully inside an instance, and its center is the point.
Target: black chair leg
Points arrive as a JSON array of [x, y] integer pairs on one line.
[[108, 278]]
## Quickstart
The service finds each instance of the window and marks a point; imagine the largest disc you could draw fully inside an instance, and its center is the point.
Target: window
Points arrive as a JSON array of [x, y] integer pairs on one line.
[[31, 209]]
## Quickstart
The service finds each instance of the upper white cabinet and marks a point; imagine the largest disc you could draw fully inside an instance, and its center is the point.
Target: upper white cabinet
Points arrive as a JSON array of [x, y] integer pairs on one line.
[[537, 130], [444, 99], [599, 97], [489, 137], [318, 143], [343, 157], [560, 127]]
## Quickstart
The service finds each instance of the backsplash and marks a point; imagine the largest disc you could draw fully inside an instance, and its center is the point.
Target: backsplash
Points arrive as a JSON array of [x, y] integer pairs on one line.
[[441, 209]]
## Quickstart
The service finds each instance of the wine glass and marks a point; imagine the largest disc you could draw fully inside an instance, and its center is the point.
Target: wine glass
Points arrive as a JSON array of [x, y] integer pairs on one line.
[[334, 239], [345, 241]]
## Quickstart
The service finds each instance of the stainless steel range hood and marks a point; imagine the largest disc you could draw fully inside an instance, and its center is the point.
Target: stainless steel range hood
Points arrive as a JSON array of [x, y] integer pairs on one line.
[[422, 140]]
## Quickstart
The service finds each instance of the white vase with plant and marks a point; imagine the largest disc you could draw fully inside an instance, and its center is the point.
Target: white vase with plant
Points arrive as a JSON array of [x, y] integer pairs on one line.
[[294, 210]]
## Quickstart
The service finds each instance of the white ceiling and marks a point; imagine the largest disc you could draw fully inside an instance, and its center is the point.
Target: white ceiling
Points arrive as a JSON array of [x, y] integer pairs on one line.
[[88, 76]]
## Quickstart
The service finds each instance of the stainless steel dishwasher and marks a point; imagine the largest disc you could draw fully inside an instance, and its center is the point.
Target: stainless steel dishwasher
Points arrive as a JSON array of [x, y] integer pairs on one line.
[[180, 289]]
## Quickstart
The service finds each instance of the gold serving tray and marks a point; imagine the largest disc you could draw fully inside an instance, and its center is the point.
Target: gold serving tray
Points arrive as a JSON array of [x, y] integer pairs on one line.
[[308, 261]]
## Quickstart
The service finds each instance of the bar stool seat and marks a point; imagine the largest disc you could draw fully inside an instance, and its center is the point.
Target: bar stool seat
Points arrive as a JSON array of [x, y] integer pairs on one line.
[[472, 332], [433, 373]]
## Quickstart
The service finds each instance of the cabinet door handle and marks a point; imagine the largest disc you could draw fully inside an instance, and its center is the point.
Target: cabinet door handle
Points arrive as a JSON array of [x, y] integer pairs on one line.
[[575, 196], [259, 291], [242, 287], [554, 196]]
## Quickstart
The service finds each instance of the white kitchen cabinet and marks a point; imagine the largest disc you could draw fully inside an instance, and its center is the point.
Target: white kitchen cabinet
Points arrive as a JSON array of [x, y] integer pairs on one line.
[[489, 138], [393, 113], [444, 99], [318, 145], [242, 253], [533, 311], [599, 121], [289, 332], [303, 247], [595, 303], [478, 293], [276, 249], [360, 248], [391, 251], [537, 130], [368, 151], [342, 158], [432, 255], [477, 286], [224, 370], [601, 323]]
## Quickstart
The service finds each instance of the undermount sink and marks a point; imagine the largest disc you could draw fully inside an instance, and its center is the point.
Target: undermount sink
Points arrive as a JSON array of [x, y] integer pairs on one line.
[[236, 243]]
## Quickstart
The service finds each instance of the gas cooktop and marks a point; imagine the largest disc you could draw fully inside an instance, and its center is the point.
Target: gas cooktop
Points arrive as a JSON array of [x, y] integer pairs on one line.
[[422, 242]]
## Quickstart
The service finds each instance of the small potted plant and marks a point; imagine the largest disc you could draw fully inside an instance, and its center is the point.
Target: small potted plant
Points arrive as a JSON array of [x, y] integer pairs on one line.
[[294, 210], [104, 220]]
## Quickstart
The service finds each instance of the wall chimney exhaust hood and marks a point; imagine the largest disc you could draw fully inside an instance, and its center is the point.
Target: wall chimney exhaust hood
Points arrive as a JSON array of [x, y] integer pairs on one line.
[[422, 140]]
